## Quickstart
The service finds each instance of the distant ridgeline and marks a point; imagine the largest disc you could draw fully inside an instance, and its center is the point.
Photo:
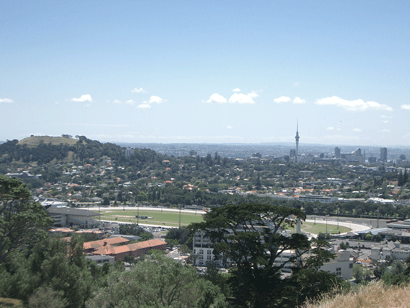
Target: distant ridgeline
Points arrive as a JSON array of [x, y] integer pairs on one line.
[[45, 149]]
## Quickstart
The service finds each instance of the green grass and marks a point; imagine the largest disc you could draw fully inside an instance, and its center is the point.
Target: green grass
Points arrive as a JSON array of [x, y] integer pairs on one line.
[[158, 218], [35, 141], [321, 228], [172, 219]]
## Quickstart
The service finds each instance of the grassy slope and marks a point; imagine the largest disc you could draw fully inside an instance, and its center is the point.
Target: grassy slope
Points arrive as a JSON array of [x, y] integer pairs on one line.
[[373, 295], [35, 140]]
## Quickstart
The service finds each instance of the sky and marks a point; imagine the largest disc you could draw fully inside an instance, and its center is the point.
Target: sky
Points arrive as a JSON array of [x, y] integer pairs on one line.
[[207, 71]]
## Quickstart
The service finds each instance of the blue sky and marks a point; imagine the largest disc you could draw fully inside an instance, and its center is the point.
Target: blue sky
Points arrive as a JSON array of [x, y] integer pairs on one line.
[[207, 72]]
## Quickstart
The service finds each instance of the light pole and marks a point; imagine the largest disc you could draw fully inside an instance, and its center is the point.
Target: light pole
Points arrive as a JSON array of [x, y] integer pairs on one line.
[[180, 216], [338, 214], [138, 213]]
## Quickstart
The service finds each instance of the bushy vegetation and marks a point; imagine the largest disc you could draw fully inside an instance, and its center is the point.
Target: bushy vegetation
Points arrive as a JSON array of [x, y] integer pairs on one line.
[[373, 295]]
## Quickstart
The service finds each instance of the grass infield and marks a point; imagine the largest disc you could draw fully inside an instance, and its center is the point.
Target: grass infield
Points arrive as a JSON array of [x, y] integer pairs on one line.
[[167, 218]]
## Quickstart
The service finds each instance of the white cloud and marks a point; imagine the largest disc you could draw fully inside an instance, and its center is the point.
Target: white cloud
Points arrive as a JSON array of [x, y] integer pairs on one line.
[[385, 121], [386, 116], [140, 90], [330, 128], [155, 99], [83, 98], [357, 130], [236, 90], [130, 102], [355, 105], [296, 84], [87, 105], [385, 130], [253, 94], [299, 100], [6, 100], [144, 105], [229, 127], [116, 101], [216, 98], [405, 107], [282, 99], [241, 99]]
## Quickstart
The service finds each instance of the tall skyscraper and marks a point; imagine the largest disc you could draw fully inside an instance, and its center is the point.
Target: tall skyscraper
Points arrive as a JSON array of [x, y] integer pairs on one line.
[[297, 140], [337, 152], [383, 154]]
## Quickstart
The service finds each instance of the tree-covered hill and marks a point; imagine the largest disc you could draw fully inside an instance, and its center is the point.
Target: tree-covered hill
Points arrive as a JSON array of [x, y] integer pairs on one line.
[[43, 150]]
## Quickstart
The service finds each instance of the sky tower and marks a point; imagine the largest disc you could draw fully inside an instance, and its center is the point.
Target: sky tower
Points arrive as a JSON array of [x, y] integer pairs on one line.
[[297, 140]]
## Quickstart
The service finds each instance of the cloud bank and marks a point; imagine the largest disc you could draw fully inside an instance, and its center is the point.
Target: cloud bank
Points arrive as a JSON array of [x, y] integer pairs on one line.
[[282, 99], [83, 98], [155, 100], [216, 98], [240, 98], [6, 100], [299, 100], [354, 105], [140, 90]]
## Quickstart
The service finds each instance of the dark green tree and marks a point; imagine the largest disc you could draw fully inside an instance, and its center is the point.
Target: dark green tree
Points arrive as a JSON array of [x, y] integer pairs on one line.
[[250, 236], [180, 234], [400, 180], [22, 222], [157, 282], [258, 182]]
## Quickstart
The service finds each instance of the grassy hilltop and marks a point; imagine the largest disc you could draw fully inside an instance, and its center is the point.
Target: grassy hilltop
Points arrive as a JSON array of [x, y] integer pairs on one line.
[[35, 141]]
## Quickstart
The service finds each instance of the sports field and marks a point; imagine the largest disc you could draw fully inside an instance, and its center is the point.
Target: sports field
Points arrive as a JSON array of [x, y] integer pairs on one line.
[[165, 218], [321, 228]]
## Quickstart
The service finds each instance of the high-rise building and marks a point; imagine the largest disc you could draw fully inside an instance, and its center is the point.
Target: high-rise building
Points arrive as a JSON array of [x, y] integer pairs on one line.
[[337, 152], [383, 154], [297, 141]]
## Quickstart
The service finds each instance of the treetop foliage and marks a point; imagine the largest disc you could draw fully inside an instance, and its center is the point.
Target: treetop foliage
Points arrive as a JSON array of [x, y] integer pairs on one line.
[[22, 221]]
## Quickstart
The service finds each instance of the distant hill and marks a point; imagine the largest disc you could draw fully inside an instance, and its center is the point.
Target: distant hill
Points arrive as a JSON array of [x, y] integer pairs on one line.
[[35, 141], [44, 149]]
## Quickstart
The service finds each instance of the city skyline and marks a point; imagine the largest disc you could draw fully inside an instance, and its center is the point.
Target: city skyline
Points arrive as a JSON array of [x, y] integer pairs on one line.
[[231, 72]]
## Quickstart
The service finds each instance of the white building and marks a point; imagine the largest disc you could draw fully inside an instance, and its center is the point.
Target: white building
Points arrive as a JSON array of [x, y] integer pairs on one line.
[[317, 198], [392, 250], [128, 152], [203, 249], [66, 216], [341, 265]]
